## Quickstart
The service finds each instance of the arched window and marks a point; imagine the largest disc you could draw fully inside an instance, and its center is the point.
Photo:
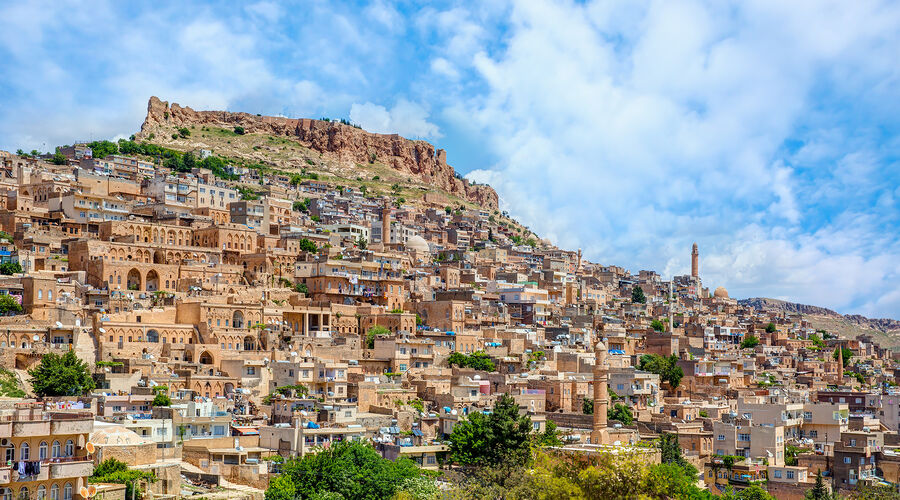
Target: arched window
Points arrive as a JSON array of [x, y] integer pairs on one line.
[[56, 450], [23, 493], [54, 492], [41, 492], [42, 451], [5, 494], [24, 452], [67, 491], [40, 294], [70, 448], [49, 294]]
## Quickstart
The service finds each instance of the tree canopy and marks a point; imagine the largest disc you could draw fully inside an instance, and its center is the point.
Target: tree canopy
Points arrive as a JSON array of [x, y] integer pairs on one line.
[[770, 328], [666, 367], [9, 305], [621, 413], [115, 471], [749, 342], [477, 361], [846, 353], [64, 375], [499, 437], [637, 295], [344, 470]]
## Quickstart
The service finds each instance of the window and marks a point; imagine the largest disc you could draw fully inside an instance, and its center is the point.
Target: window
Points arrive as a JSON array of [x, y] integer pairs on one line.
[[54, 492], [56, 449], [67, 491], [23, 493], [24, 452], [42, 452], [70, 448], [720, 437], [790, 474], [846, 460], [777, 474], [41, 492]]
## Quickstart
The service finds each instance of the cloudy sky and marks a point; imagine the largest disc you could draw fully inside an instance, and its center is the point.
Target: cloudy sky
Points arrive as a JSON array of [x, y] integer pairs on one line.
[[767, 132]]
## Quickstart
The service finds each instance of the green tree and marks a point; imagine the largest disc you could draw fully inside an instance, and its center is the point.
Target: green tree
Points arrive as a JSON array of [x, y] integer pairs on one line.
[[9, 268], [189, 161], [670, 450], [102, 149], [239, 130], [115, 471], [620, 412], [477, 361], [375, 331], [344, 470], [501, 437], [301, 288], [587, 406], [9, 385], [657, 325], [362, 243], [637, 295], [550, 436], [59, 159], [846, 353], [64, 375], [161, 399], [308, 246], [749, 342], [770, 328], [666, 367]]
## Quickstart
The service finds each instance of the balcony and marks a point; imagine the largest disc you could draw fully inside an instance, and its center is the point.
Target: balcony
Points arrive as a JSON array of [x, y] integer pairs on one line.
[[42, 476], [5, 475], [31, 428], [78, 467], [5, 429], [71, 426]]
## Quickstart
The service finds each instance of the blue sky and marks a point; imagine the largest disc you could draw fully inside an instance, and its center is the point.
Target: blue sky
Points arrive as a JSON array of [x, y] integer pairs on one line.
[[765, 131]]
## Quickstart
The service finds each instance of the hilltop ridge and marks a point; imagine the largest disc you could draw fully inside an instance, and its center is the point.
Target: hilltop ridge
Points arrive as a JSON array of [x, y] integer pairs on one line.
[[414, 158]]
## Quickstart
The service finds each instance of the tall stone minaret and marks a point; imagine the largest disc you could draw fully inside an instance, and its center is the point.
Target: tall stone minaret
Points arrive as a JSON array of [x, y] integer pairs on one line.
[[695, 262], [599, 432], [386, 223]]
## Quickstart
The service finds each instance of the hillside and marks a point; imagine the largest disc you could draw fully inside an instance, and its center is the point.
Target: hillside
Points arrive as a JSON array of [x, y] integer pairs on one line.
[[336, 149], [887, 331]]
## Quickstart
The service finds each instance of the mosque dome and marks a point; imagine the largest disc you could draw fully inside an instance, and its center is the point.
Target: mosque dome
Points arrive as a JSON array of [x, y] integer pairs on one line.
[[115, 435], [721, 293], [417, 243]]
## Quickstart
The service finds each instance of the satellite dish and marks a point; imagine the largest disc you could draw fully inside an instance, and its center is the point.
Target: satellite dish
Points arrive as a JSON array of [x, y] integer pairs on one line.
[[35, 338], [90, 447], [59, 324], [453, 412], [92, 490], [83, 492], [102, 330]]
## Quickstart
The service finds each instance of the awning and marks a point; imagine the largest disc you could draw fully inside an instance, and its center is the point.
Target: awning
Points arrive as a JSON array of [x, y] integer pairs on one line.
[[246, 431], [417, 432]]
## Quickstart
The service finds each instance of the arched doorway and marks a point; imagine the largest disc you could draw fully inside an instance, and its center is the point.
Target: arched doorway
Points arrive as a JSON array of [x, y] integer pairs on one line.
[[134, 279], [237, 319], [249, 343], [205, 358], [152, 281], [229, 389], [159, 257]]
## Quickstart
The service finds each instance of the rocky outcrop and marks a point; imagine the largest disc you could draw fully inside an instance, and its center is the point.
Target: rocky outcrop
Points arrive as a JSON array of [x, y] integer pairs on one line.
[[416, 158], [883, 325]]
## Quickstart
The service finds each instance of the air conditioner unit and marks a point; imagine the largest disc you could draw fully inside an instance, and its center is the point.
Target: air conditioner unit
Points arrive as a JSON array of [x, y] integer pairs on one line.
[[4, 442]]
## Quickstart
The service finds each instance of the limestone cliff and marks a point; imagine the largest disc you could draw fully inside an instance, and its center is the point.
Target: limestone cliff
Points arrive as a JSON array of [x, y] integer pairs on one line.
[[418, 159]]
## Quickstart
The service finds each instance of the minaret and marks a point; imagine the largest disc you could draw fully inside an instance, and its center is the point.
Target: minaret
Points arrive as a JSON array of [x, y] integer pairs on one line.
[[386, 223], [599, 433], [671, 306], [840, 375], [578, 265], [695, 262]]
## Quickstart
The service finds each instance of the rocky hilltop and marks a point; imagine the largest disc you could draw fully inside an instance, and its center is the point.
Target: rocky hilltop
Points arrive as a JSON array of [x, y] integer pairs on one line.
[[792, 307], [847, 325], [418, 159]]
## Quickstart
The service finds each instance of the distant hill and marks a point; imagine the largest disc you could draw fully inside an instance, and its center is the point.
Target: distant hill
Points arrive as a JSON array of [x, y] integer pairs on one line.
[[847, 325], [340, 150]]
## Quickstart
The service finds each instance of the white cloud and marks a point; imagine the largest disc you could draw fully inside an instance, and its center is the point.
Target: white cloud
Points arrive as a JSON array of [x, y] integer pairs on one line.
[[631, 133], [405, 118]]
